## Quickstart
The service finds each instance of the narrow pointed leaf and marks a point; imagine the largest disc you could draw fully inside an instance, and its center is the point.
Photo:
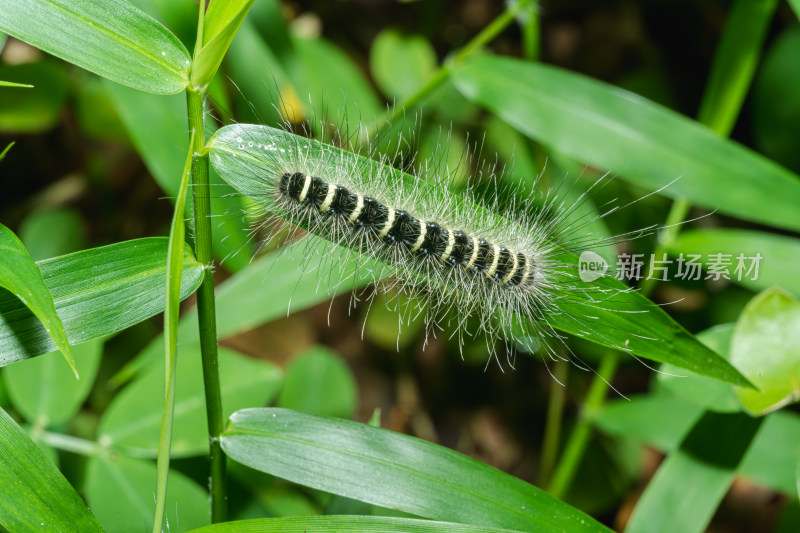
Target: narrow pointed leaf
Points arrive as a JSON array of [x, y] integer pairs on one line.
[[96, 292], [632, 137], [330, 524], [111, 38], [172, 301], [22, 278], [12, 84], [392, 470], [34, 496], [628, 321], [222, 21]]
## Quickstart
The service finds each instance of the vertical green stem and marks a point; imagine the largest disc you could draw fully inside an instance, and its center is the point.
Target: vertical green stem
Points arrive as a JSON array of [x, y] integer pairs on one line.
[[579, 437], [555, 413], [205, 307]]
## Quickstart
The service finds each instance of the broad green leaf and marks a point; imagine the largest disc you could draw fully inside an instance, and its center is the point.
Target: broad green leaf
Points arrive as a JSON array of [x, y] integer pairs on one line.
[[690, 483], [766, 347], [655, 419], [39, 109], [393, 52], [662, 421], [34, 496], [119, 490], [753, 259], [611, 315], [640, 141], [363, 524], [158, 129], [319, 383], [21, 277], [45, 392], [392, 470], [111, 38], [172, 302], [133, 420], [708, 393], [96, 292], [221, 22]]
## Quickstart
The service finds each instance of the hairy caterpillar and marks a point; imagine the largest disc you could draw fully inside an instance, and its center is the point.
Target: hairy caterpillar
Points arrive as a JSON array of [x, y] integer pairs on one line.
[[508, 269]]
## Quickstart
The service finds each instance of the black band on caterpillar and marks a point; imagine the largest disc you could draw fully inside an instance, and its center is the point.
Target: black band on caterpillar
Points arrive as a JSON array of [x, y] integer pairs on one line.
[[396, 227]]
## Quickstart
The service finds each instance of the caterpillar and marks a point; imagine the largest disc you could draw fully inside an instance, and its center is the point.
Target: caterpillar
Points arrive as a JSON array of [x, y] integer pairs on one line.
[[509, 267]]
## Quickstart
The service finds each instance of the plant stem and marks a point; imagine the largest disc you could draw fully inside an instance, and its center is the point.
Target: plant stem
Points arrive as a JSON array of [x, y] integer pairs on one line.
[[555, 413], [579, 438], [206, 311], [489, 33]]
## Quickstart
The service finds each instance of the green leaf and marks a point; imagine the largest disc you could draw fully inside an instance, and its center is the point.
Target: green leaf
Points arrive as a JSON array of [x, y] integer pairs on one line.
[[640, 141], [711, 394], [5, 150], [12, 84], [392, 470], [656, 419], [364, 524], [690, 483], [44, 392], [34, 496], [617, 322], [111, 38], [172, 301], [662, 421], [96, 292], [120, 491], [772, 257], [20, 275], [319, 383], [133, 420], [221, 23], [766, 347], [37, 110], [394, 52]]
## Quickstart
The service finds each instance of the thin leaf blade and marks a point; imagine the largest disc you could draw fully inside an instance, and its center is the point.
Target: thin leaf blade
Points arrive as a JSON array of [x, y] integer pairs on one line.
[[623, 133], [20, 275], [111, 38], [35, 496], [356, 461], [96, 292]]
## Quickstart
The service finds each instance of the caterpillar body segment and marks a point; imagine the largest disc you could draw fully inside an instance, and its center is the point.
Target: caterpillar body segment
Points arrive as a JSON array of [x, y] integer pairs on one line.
[[472, 265], [400, 229]]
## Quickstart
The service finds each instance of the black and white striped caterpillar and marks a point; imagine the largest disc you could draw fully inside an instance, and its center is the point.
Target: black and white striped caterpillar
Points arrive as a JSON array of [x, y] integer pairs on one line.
[[511, 270]]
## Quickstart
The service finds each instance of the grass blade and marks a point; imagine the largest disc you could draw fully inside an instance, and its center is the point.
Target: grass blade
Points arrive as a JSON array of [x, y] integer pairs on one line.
[[20, 275], [111, 38]]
